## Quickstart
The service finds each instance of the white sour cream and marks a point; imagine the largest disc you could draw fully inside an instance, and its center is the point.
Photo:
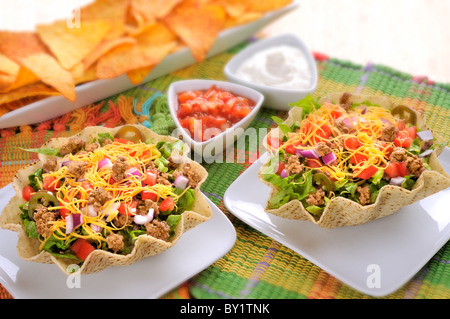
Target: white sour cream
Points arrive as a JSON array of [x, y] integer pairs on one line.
[[281, 66]]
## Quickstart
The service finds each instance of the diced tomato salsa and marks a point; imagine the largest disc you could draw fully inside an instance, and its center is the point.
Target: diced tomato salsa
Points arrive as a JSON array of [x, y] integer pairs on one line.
[[207, 113]]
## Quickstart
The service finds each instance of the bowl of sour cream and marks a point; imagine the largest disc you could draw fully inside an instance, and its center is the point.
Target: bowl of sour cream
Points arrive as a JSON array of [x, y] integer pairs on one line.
[[282, 68]]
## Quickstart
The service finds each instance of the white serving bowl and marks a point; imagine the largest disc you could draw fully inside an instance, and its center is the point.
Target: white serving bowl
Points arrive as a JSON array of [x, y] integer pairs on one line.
[[217, 144], [275, 98]]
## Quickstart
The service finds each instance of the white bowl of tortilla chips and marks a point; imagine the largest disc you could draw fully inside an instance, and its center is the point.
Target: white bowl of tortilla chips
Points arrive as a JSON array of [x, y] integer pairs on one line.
[[338, 210], [144, 245]]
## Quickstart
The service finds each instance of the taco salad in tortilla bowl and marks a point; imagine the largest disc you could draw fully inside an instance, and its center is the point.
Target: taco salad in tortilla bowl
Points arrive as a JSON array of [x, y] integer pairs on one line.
[[348, 159], [105, 197]]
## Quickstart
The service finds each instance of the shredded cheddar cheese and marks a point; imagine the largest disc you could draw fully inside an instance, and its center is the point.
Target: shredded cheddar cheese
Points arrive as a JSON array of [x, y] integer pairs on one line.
[[365, 123]]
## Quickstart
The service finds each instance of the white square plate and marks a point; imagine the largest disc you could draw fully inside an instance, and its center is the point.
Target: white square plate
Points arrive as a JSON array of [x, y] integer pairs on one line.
[[148, 278], [376, 258]]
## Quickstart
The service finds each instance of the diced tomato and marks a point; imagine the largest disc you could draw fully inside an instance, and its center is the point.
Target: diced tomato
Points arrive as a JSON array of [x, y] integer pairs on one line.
[[403, 139], [358, 158], [352, 143], [290, 149], [63, 211], [397, 169], [123, 141], [82, 248], [186, 96], [412, 131], [323, 133], [280, 167], [368, 172], [386, 148], [50, 184], [167, 204], [401, 125], [313, 163], [335, 113], [127, 209], [274, 142], [87, 186], [149, 195], [27, 192], [151, 177]]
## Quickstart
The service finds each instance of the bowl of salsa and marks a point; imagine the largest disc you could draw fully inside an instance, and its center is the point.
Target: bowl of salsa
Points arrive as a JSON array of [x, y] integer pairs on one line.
[[211, 115]]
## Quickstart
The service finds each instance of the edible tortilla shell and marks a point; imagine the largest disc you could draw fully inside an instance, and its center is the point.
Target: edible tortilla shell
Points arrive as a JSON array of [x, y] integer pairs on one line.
[[344, 212], [98, 260]]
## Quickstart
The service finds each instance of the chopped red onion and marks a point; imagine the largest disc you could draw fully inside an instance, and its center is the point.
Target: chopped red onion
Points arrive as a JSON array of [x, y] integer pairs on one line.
[[108, 210], [425, 135], [133, 172], [426, 153], [181, 182], [96, 228], [351, 122], [311, 153], [91, 211], [73, 221], [143, 219], [105, 163], [329, 158], [397, 181], [284, 174]]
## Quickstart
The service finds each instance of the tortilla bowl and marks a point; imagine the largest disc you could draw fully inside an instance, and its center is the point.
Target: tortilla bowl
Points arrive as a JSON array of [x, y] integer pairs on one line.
[[340, 211], [98, 260]]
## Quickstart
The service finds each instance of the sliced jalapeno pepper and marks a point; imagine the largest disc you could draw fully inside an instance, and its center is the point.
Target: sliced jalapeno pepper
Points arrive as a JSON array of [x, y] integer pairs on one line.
[[323, 181], [43, 198], [406, 113]]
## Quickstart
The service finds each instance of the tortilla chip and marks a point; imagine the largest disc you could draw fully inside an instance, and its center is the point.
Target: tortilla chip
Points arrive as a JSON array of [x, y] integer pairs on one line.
[[344, 212], [71, 45], [267, 5], [98, 260], [105, 47], [149, 11], [112, 11], [26, 49], [27, 91], [151, 46], [80, 75], [205, 23], [8, 66]]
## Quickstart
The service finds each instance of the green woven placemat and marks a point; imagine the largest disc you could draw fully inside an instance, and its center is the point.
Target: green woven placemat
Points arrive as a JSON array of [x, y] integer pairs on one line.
[[257, 266]]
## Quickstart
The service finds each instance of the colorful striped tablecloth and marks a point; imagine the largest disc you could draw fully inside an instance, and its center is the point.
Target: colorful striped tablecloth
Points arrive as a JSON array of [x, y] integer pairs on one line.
[[257, 266]]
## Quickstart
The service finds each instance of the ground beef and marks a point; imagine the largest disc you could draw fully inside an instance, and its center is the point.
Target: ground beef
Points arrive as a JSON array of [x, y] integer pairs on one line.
[[115, 242], [43, 218], [157, 229], [71, 146], [119, 168], [92, 147], [340, 126], [398, 155], [415, 165], [106, 142], [163, 179], [122, 220], [389, 132], [50, 165], [317, 199], [144, 206], [98, 197], [323, 149], [364, 194], [345, 101], [77, 168], [293, 165], [193, 177]]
